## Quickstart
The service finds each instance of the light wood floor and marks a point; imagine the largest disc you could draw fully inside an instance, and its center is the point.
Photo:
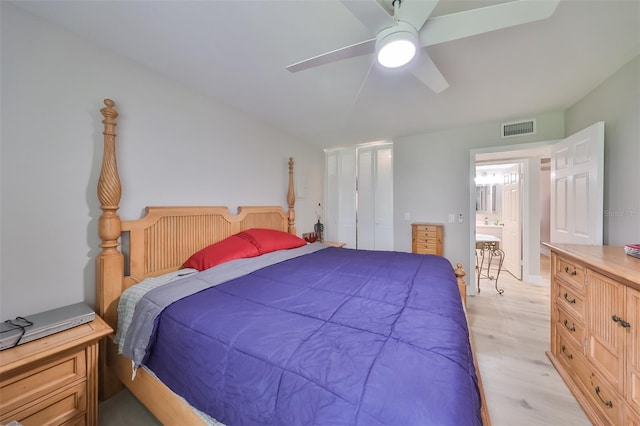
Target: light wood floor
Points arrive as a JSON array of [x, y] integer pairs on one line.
[[511, 333]]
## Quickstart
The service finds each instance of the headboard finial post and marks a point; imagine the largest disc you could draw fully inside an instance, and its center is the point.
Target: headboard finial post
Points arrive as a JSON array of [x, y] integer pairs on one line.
[[109, 188], [291, 200], [110, 262]]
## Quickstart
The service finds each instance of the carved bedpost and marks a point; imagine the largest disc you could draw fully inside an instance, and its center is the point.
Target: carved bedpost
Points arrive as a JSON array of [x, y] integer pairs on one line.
[[462, 285], [109, 263], [291, 200]]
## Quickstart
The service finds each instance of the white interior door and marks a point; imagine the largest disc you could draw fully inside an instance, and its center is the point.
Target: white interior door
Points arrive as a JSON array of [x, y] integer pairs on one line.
[[577, 187], [384, 199], [511, 217], [366, 198], [375, 197], [340, 197]]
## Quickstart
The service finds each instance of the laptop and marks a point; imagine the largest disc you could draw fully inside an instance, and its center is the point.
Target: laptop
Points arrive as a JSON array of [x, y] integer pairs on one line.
[[24, 329]]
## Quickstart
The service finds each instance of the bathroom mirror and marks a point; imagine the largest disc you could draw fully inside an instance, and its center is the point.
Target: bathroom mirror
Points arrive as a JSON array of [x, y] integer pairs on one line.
[[486, 198]]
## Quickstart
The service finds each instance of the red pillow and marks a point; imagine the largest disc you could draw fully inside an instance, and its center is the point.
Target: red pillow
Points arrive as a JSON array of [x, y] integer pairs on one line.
[[268, 240], [250, 243], [231, 248]]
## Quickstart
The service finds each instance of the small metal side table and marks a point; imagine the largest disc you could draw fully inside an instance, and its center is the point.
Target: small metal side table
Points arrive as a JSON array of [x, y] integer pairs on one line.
[[488, 251]]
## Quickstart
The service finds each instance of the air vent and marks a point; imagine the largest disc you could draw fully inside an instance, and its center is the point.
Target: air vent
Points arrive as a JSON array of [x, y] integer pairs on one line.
[[518, 128]]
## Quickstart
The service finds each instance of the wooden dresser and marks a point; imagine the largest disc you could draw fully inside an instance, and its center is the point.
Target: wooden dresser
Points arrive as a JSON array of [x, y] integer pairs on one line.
[[595, 329], [53, 380], [426, 238]]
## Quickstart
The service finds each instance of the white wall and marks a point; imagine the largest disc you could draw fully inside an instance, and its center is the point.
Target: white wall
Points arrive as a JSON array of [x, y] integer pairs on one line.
[[174, 147], [432, 179], [617, 102]]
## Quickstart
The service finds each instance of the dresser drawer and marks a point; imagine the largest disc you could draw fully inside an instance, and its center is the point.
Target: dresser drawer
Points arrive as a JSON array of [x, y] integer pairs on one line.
[[568, 352], [41, 380], [605, 400], [65, 407], [573, 328], [603, 396], [569, 271], [570, 299]]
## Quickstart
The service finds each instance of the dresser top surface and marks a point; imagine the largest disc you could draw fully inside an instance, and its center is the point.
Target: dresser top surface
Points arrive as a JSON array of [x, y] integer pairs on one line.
[[609, 259]]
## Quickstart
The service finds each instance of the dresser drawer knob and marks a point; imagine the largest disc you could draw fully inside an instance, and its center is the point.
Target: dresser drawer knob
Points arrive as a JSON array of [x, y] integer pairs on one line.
[[566, 297], [572, 273]]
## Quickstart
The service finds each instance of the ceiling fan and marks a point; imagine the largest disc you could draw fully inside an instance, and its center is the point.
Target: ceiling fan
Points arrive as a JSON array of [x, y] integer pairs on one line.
[[405, 28]]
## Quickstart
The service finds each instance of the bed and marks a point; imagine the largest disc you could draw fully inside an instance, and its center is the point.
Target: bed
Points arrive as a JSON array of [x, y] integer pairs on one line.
[[309, 334]]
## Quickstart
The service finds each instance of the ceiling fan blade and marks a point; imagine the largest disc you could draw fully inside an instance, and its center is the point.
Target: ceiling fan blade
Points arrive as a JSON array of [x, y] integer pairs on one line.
[[459, 25], [427, 72], [371, 13], [358, 49], [416, 12], [364, 80]]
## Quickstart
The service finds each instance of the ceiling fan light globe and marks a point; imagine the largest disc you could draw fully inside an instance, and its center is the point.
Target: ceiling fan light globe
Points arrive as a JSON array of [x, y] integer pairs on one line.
[[396, 53], [397, 45]]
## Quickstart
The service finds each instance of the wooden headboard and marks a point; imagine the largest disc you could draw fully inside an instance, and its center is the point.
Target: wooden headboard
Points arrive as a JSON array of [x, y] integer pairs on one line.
[[164, 237]]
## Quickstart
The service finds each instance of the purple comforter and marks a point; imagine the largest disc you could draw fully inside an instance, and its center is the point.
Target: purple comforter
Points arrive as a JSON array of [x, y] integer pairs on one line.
[[334, 337]]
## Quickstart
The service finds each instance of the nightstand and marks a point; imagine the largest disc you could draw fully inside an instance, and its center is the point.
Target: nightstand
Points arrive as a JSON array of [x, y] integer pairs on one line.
[[53, 380], [426, 238], [334, 244]]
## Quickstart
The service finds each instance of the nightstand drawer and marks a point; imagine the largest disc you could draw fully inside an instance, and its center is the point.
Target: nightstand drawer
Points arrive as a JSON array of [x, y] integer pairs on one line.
[[429, 248], [27, 386], [69, 405], [427, 235], [426, 229], [427, 241]]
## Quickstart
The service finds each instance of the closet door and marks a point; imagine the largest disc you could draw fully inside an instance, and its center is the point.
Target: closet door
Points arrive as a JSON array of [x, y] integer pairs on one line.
[[340, 197], [375, 197], [359, 197]]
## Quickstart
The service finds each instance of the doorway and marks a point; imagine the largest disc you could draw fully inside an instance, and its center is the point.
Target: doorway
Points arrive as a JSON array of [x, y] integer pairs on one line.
[[499, 214], [525, 230], [576, 198]]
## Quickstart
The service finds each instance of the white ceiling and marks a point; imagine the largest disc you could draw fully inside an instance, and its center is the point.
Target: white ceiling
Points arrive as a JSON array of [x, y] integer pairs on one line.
[[236, 53]]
